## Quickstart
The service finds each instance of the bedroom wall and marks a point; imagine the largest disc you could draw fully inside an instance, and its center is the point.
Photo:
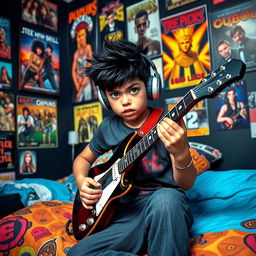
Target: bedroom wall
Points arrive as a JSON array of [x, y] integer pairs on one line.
[[52, 163], [237, 146]]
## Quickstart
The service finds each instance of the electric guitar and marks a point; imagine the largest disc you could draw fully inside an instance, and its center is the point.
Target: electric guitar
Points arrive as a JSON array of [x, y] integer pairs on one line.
[[115, 175]]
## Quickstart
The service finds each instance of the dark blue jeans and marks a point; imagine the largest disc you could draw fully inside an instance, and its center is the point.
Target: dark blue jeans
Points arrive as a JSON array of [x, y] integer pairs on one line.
[[157, 223]]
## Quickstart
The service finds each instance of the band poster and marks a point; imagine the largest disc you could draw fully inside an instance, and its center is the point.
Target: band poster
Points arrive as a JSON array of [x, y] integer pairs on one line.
[[5, 38], [7, 115], [42, 13], [7, 151], [83, 42], [27, 162], [233, 30], [196, 119], [252, 112], [232, 112], [143, 26], [185, 48], [87, 118], [39, 62], [170, 4], [111, 21], [36, 122], [5, 75]]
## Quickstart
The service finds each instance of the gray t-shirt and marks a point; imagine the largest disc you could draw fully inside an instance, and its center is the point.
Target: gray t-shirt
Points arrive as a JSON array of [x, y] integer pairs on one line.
[[153, 171]]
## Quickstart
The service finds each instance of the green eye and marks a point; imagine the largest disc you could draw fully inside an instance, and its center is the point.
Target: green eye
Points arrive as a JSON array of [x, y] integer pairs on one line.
[[134, 90], [114, 95]]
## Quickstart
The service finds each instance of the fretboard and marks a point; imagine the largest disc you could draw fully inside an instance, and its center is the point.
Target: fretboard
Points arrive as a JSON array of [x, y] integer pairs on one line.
[[146, 142]]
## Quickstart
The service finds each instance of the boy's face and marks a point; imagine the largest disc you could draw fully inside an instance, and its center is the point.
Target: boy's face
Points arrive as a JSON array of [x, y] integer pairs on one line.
[[129, 101]]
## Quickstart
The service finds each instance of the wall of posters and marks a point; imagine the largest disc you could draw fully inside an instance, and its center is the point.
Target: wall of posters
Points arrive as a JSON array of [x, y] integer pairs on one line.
[[39, 62], [170, 4], [86, 119], [27, 162], [232, 111], [5, 75], [233, 29], [111, 21], [7, 119], [143, 26], [42, 13], [6, 151], [83, 42], [5, 38], [196, 119], [36, 122], [185, 48]]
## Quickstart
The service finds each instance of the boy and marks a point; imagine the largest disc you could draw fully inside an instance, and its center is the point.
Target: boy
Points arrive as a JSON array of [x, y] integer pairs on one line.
[[157, 220]]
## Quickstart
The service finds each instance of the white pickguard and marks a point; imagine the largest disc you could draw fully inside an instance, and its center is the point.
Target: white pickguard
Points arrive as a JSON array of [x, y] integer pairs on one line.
[[109, 189]]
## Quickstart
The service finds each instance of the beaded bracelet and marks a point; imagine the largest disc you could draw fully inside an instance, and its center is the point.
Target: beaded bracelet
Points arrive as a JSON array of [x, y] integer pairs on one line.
[[182, 168]]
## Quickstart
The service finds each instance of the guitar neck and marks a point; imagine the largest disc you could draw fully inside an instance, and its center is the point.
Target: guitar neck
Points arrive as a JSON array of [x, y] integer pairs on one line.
[[146, 142]]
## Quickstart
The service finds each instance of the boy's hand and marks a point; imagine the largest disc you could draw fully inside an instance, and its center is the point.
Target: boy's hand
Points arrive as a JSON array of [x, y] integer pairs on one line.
[[173, 135], [90, 192]]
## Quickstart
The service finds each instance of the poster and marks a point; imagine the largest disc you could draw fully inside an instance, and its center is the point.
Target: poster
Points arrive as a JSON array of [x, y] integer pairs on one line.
[[231, 108], [196, 119], [87, 118], [252, 112], [27, 162], [172, 4], [233, 30], [7, 151], [7, 115], [143, 26], [7, 176], [39, 62], [5, 38], [185, 48], [111, 21], [42, 13], [83, 42], [5, 75], [36, 122], [218, 1]]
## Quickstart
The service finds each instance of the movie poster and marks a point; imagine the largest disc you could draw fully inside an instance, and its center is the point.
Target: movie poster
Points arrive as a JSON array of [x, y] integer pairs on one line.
[[143, 26], [86, 120], [185, 48], [196, 119], [5, 38], [36, 122], [27, 162], [252, 112], [83, 42], [5, 75], [39, 62], [234, 34], [218, 1], [7, 119], [232, 112], [111, 21], [42, 13], [7, 151], [172, 4]]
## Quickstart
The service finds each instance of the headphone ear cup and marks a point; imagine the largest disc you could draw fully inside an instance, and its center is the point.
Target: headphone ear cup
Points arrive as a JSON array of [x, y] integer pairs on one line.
[[103, 98], [153, 87]]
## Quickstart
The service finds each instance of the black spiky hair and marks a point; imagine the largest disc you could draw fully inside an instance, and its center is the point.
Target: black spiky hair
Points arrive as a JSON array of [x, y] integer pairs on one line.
[[117, 63]]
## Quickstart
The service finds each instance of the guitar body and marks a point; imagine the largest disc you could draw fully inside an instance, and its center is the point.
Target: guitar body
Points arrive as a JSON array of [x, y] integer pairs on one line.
[[237, 119], [86, 222]]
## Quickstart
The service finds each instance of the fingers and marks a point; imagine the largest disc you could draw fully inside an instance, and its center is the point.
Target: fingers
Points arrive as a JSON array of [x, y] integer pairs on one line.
[[90, 192]]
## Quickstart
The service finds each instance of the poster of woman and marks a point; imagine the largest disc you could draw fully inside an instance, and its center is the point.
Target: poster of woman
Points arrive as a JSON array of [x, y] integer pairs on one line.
[[28, 162]]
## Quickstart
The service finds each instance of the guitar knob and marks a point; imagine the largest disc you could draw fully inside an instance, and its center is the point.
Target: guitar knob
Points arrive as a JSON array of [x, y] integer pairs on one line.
[[90, 221], [222, 67], [82, 227], [228, 76], [93, 212]]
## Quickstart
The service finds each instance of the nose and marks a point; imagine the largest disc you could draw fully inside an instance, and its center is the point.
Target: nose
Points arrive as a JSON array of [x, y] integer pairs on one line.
[[125, 100]]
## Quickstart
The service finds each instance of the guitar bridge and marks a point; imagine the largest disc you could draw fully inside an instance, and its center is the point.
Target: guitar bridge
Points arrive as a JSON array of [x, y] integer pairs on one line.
[[115, 171]]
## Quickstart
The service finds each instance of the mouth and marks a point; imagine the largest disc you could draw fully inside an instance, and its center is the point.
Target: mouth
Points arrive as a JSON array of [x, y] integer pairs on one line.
[[128, 112]]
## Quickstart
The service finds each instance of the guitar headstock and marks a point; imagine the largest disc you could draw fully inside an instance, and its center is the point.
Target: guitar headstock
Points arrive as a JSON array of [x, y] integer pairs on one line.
[[217, 80]]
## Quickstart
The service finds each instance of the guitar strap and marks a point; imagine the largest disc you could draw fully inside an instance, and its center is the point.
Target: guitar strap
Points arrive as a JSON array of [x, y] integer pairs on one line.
[[150, 122]]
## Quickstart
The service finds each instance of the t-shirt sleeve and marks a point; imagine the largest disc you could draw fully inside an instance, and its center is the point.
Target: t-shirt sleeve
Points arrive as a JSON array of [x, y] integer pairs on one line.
[[98, 144]]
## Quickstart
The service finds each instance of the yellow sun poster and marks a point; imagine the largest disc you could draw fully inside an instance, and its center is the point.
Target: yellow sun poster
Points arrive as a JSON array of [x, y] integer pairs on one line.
[[186, 57]]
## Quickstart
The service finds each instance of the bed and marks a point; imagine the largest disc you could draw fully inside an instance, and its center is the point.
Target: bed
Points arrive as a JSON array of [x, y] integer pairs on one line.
[[222, 202]]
